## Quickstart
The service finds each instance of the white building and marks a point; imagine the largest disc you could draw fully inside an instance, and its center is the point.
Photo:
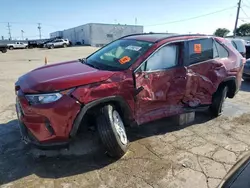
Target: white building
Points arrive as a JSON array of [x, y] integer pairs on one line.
[[97, 34]]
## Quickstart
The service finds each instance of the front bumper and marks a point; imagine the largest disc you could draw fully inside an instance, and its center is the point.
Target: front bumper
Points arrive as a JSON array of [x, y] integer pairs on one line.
[[46, 126]]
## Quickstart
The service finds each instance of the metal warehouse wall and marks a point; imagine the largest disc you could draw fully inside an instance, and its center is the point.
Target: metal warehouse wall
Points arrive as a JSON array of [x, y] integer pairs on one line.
[[78, 34], [102, 34], [97, 34]]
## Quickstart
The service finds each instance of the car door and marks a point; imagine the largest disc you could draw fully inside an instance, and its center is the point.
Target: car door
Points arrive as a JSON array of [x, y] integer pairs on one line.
[[60, 42], [21, 45], [160, 84], [17, 45], [205, 71], [56, 43]]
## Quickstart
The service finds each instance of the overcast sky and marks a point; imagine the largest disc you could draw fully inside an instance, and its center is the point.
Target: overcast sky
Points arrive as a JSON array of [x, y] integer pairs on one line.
[[62, 14]]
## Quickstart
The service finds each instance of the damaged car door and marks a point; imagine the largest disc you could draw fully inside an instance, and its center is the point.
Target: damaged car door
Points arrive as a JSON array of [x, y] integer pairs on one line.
[[205, 70], [160, 83]]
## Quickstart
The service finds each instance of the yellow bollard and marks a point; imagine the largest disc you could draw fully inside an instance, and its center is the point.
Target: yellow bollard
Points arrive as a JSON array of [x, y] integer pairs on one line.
[[45, 61]]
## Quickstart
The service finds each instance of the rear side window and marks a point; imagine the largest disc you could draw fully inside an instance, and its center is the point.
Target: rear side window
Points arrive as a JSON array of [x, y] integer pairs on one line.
[[200, 50], [221, 50]]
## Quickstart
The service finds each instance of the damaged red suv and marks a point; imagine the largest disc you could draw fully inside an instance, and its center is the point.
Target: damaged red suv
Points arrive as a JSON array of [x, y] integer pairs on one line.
[[133, 80]]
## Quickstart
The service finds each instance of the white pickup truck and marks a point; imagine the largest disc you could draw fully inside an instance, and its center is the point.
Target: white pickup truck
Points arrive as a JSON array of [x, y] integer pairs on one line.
[[17, 45]]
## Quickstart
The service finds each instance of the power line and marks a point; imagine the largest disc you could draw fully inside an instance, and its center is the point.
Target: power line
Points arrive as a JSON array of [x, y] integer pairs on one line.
[[191, 18], [244, 12]]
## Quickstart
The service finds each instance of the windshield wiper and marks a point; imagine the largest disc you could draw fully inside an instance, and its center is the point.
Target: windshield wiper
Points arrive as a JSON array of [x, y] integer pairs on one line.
[[84, 61]]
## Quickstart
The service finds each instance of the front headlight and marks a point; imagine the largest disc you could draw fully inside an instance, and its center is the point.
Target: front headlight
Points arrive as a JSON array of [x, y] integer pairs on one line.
[[43, 98]]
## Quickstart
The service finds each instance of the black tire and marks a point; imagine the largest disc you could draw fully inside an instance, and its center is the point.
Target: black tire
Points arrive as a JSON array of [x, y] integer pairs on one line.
[[219, 97], [108, 134], [65, 45], [11, 48], [4, 50]]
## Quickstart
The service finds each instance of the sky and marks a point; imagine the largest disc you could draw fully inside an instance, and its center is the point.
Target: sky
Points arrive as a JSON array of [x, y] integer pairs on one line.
[[154, 15]]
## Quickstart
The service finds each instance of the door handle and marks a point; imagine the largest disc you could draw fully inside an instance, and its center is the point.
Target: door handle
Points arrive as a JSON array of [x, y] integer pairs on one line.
[[181, 77]]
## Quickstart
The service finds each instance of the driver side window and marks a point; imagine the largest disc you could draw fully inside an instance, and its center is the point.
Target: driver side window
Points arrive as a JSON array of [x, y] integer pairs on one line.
[[166, 57]]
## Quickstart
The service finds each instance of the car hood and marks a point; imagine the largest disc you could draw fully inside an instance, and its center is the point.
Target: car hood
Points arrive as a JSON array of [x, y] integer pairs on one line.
[[60, 76]]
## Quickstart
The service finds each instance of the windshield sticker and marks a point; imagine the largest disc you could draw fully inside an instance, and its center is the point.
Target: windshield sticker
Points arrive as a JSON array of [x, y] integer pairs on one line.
[[134, 48], [197, 48], [124, 60]]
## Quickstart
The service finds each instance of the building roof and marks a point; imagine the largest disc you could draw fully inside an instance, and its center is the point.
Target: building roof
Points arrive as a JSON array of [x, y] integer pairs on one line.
[[154, 37]]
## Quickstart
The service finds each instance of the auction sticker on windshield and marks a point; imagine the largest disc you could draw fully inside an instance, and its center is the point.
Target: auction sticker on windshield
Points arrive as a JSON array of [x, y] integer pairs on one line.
[[134, 48], [124, 59]]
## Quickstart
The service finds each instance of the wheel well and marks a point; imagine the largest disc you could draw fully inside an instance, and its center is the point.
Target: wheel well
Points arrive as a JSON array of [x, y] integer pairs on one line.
[[89, 118], [231, 87]]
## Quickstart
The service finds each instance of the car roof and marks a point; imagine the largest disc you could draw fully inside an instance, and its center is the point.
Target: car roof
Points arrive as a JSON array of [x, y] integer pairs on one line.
[[155, 37]]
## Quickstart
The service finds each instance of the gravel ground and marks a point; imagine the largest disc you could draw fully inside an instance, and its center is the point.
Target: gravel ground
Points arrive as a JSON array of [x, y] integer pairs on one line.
[[161, 154]]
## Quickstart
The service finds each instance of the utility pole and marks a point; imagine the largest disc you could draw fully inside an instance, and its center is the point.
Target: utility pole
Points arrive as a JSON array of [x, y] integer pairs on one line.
[[39, 29], [10, 38], [22, 33], [237, 17]]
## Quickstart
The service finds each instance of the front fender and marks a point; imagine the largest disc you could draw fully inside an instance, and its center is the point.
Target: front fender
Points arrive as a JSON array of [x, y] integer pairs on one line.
[[111, 99]]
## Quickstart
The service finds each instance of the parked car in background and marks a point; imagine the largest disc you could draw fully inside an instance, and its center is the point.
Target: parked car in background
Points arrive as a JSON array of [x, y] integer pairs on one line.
[[32, 44], [3, 48], [17, 45], [246, 72], [58, 43], [134, 80], [239, 45]]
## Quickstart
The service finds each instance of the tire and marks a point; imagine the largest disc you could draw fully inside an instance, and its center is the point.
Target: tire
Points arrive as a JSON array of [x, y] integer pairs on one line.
[[65, 45], [109, 123], [4, 50], [26, 47], [52, 47], [219, 98], [11, 48]]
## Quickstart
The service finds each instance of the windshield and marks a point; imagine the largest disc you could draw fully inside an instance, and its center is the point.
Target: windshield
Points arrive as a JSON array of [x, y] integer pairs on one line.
[[118, 55]]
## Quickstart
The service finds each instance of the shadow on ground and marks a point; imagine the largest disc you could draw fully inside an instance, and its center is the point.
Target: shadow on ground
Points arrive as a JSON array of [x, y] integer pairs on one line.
[[17, 162]]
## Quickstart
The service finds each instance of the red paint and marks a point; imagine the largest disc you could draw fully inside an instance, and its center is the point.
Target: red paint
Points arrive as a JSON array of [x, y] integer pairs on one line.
[[61, 76], [165, 93]]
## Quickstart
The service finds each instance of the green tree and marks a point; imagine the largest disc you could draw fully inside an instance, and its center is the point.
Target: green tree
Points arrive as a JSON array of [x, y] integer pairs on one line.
[[221, 32], [243, 30]]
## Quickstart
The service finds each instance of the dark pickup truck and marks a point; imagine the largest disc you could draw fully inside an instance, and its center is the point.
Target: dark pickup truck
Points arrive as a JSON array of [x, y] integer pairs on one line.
[[3, 48]]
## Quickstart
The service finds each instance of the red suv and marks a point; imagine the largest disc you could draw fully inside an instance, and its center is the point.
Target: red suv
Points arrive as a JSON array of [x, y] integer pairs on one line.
[[131, 81]]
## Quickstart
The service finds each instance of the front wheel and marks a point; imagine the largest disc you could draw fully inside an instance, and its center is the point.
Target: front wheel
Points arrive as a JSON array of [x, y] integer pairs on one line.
[[219, 98], [112, 131], [65, 45]]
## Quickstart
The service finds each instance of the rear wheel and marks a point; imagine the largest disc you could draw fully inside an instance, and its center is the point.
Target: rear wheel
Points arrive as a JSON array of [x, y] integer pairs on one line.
[[52, 46], [65, 45], [112, 131], [11, 47], [219, 98]]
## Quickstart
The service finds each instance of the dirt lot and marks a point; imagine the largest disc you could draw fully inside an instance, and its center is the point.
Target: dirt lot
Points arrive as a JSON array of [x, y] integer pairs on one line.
[[161, 154]]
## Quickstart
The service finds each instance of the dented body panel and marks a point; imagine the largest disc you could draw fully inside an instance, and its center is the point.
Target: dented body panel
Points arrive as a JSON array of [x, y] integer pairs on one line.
[[150, 95]]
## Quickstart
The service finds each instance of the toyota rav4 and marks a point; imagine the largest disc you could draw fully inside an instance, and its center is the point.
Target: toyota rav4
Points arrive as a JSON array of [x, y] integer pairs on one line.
[[133, 80]]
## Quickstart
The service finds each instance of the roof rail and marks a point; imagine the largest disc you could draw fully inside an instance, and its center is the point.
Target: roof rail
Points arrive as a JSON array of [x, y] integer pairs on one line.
[[170, 36]]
